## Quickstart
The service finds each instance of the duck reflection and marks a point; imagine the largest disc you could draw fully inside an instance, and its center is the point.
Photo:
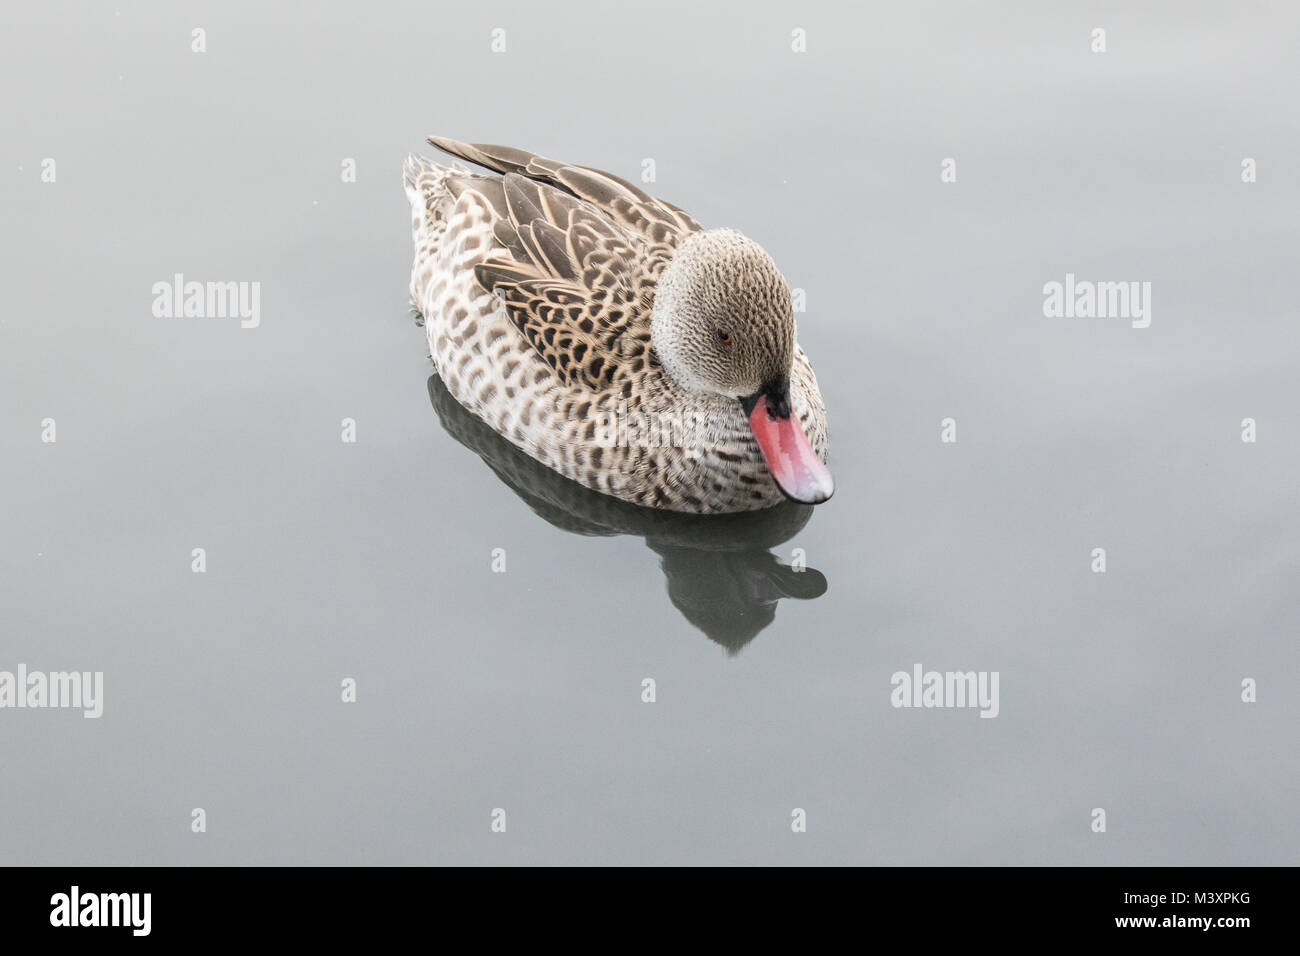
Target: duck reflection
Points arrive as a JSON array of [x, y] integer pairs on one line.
[[720, 573]]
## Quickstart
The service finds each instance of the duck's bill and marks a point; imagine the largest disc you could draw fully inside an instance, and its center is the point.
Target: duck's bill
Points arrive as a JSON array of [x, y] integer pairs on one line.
[[790, 457]]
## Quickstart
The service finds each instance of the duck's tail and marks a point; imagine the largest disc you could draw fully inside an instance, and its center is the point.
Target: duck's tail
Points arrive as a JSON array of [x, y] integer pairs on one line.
[[431, 204], [426, 189]]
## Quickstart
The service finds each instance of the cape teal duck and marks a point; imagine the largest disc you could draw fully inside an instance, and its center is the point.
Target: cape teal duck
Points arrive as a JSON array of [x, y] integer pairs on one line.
[[611, 337]]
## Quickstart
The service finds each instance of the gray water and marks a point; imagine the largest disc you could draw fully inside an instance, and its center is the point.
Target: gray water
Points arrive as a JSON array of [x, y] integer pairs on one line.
[[475, 690]]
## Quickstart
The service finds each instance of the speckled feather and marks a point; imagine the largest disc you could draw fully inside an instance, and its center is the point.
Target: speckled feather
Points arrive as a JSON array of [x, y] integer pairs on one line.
[[537, 288]]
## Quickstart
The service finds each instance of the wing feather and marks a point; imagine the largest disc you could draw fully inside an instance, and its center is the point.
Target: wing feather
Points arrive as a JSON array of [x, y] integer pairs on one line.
[[581, 252]]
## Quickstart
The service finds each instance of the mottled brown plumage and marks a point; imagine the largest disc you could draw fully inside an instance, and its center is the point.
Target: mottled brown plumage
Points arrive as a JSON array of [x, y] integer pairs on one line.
[[555, 295], [582, 252]]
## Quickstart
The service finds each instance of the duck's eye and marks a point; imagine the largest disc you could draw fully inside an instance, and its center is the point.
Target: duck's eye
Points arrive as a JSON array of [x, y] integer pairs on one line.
[[724, 336]]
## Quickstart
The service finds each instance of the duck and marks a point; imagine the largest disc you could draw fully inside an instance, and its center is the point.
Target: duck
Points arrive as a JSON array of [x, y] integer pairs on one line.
[[612, 338]]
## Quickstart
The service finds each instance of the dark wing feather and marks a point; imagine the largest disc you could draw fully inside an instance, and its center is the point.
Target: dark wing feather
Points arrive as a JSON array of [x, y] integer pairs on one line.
[[489, 187]]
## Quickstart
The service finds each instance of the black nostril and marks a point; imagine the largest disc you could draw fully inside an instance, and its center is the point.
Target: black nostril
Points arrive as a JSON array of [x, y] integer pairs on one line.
[[777, 393], [778, 397]]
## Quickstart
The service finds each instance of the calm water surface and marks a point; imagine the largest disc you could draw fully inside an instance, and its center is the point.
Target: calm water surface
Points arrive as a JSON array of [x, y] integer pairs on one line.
[[523, 690]]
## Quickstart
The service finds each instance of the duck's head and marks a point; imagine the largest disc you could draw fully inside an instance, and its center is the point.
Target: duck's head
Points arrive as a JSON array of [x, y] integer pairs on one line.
[[722, 324]]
